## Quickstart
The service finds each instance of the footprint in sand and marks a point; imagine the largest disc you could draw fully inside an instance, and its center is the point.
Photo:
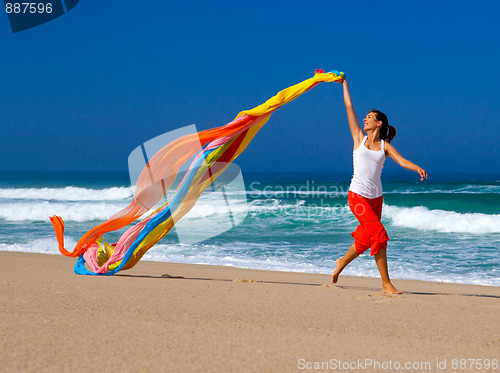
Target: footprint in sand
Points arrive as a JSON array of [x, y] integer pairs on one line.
[[166, 275], [243, 280]]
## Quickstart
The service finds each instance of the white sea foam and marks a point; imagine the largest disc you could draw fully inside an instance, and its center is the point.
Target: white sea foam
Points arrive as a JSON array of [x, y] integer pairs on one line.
[[467, 189], [215, 211], [419, 217], [41, 245], [235, 256], [82, 208], [70, 211], [239, 255], [72, 193], [69, 193], [422, 218]]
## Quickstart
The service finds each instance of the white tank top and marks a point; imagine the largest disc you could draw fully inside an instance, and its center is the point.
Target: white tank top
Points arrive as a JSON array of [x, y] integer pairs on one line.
[[368, 166]]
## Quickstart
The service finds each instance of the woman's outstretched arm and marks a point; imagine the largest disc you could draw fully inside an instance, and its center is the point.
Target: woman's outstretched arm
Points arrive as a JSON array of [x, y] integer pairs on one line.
[[356, 131], [392, 152]]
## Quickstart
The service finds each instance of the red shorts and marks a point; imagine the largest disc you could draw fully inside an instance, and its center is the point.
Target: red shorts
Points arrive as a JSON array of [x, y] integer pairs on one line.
[[370, 233]]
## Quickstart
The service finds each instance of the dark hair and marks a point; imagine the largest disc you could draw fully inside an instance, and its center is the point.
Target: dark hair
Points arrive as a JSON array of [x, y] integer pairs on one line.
[[387, 132]]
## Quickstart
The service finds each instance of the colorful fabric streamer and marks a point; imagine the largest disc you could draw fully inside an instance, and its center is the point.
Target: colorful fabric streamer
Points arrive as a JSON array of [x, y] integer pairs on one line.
[[220, 146]]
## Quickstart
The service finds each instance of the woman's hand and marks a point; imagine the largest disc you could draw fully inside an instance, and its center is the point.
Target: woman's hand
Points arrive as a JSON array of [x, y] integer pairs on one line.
[[422, 173]]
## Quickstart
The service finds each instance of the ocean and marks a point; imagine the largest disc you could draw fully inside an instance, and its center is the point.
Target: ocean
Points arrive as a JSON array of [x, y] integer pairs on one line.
[[445, 229]]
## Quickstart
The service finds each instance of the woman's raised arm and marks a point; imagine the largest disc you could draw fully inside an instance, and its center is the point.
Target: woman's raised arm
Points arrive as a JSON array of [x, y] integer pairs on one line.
[[356, 131]]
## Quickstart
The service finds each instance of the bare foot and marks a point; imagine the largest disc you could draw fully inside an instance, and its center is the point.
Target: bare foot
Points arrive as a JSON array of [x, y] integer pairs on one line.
[[336, 273], [390, 289]]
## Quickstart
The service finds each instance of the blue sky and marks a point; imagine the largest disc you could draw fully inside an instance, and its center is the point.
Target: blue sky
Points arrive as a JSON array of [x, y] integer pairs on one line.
[[82, 91]]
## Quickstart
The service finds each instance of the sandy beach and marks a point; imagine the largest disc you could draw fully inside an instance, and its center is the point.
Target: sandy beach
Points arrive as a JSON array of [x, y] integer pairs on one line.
[[168, 317]]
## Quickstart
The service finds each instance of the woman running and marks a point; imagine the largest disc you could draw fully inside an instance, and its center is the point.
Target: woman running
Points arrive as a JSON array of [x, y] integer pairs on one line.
[[365, 192]]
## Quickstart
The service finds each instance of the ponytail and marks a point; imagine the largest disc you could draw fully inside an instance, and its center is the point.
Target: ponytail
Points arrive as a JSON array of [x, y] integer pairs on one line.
[[387, 132], [391, 133]]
